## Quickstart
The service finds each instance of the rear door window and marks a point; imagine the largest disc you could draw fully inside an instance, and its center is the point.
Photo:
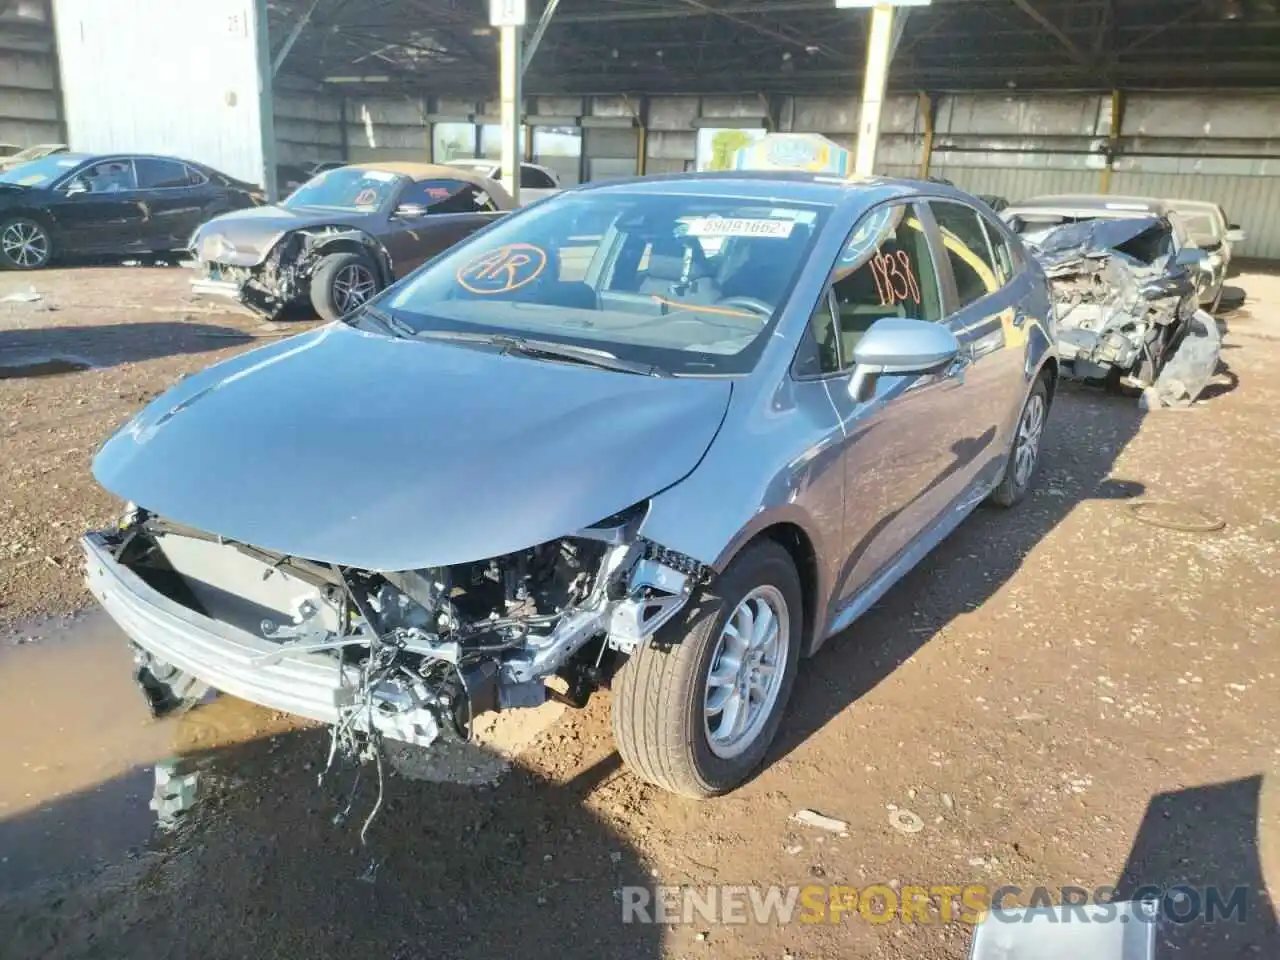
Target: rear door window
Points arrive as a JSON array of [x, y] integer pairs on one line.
[[156, 174], [1006, 264], [969, 254], [535, 179]]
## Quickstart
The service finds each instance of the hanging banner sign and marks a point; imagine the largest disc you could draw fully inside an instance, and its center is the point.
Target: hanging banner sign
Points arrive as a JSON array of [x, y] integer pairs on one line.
[[805, 152]]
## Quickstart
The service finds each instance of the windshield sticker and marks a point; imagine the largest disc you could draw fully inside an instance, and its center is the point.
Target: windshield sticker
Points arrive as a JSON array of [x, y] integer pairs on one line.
[[367, 197], [895, 280], [503, 270], [32, 180], [68, 163], [739, 227], [381, 176], [437, 193]]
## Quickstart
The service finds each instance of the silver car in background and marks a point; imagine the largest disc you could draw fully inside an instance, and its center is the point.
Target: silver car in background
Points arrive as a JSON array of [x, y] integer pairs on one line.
[[679, 431]]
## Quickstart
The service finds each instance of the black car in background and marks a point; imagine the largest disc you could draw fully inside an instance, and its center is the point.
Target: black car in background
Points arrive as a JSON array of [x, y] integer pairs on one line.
[[75, 203]]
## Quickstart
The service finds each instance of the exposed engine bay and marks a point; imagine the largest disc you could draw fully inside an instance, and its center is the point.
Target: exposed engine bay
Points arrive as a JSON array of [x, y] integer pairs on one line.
[[1123, 304], [284, 276], [419, 653]]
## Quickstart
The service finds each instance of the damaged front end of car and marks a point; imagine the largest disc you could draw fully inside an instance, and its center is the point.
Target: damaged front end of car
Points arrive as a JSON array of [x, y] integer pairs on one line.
[[412, 655], [1123, 299], [269, 284]]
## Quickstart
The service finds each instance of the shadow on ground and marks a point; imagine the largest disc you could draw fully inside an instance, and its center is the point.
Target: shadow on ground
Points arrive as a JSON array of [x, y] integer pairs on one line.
[[521, 869], [1197, 851], [1087, 429], [48, 351]]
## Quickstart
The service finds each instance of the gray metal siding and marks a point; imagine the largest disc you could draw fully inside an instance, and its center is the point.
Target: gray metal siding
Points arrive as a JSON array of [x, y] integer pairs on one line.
[[1252, 202], [132, 81], [30, 107]]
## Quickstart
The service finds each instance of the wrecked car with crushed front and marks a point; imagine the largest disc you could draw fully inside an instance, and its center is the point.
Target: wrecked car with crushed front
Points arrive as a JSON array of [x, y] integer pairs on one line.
[[1126, 297], [342, 236], [666, 436]]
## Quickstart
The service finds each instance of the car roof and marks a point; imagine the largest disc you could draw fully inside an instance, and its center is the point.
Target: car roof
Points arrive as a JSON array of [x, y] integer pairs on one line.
[[1094, 201], [433, 171], [786, 185]]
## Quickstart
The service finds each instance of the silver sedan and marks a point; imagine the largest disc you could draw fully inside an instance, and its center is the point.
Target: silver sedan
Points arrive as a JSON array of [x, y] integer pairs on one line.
[[672, 433]]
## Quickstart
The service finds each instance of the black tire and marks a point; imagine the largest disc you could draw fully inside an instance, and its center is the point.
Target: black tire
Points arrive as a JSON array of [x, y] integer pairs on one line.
[[659, 703], [328, 296], [1012, 490], [25, 243]]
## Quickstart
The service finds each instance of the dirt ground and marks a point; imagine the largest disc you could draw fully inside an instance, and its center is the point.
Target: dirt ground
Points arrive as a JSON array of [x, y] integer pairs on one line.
[[1061, 695]]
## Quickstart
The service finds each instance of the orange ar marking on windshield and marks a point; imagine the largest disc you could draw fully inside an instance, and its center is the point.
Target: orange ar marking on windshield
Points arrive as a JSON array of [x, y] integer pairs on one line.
[[503, 270]]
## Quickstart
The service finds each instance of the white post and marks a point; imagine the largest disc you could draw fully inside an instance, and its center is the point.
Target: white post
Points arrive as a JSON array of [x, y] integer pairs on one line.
[[879, 53], [509, 92]]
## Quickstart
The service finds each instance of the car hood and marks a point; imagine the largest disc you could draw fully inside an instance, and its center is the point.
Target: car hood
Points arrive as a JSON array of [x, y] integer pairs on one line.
[[245, 237], [389, 454]]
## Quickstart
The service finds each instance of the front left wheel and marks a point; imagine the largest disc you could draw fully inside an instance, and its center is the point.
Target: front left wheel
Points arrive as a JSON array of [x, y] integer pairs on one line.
[[341, 282], [697, 705], [24, 244]]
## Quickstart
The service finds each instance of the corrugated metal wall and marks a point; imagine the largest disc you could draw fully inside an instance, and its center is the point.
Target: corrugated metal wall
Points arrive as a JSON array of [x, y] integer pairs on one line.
[[30, 106], [1015, 145], [133, 78]]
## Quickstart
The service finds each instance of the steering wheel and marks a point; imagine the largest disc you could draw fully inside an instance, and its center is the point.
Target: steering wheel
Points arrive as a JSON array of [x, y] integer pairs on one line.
[[750, 303]]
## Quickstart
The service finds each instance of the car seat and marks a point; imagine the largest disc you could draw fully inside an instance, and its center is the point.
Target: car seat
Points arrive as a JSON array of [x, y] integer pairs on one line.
[[769, 267], [679, 271]]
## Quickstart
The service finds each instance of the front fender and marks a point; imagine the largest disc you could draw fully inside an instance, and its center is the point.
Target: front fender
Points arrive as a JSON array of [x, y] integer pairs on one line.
[[356, 241]]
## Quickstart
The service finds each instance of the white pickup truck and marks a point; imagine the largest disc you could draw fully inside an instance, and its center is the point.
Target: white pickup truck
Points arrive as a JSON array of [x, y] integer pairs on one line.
[[536, 181]]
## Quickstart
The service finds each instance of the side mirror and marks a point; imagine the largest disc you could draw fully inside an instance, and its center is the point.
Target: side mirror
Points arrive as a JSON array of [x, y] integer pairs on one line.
[[897, 346], [77, 186], [410, 211], [1235, 234]]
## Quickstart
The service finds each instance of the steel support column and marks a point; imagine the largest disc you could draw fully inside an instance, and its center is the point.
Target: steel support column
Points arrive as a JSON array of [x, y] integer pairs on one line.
[[1113, 139], [879, 53], [509, 94], [928, 114]]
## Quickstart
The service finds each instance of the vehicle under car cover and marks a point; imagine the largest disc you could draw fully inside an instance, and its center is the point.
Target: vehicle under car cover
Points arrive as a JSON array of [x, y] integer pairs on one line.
[[364, 450]]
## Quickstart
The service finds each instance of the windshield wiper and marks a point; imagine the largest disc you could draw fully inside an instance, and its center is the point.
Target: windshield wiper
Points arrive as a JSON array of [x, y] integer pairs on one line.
[[549, 349], [391, 326]]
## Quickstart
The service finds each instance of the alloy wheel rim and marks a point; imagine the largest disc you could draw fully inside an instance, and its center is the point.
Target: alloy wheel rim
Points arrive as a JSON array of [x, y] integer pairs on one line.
[[745, 676], [24, 243], [1027, 448], [352, 286]]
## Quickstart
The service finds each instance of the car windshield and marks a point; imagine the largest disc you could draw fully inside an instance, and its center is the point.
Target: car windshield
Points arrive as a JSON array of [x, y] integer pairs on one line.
[[1202, 227], [686, 284], [347, 188], [40, 172]]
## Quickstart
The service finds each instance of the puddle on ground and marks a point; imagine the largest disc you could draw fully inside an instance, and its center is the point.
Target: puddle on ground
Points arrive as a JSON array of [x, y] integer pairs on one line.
[[42, 368], [78, 771]]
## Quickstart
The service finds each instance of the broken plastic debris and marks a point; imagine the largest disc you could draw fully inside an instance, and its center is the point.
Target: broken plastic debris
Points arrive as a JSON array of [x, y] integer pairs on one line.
[[811, 818], [28, 295], [174, 795], [904, 821]]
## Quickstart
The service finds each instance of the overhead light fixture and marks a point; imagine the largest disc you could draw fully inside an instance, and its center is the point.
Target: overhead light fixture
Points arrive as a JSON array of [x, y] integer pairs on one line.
[[867, 4], [375, 79], [1232, 10]]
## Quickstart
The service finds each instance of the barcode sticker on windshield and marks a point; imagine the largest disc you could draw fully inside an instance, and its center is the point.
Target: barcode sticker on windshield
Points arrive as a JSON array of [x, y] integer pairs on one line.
[[740, 227]]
